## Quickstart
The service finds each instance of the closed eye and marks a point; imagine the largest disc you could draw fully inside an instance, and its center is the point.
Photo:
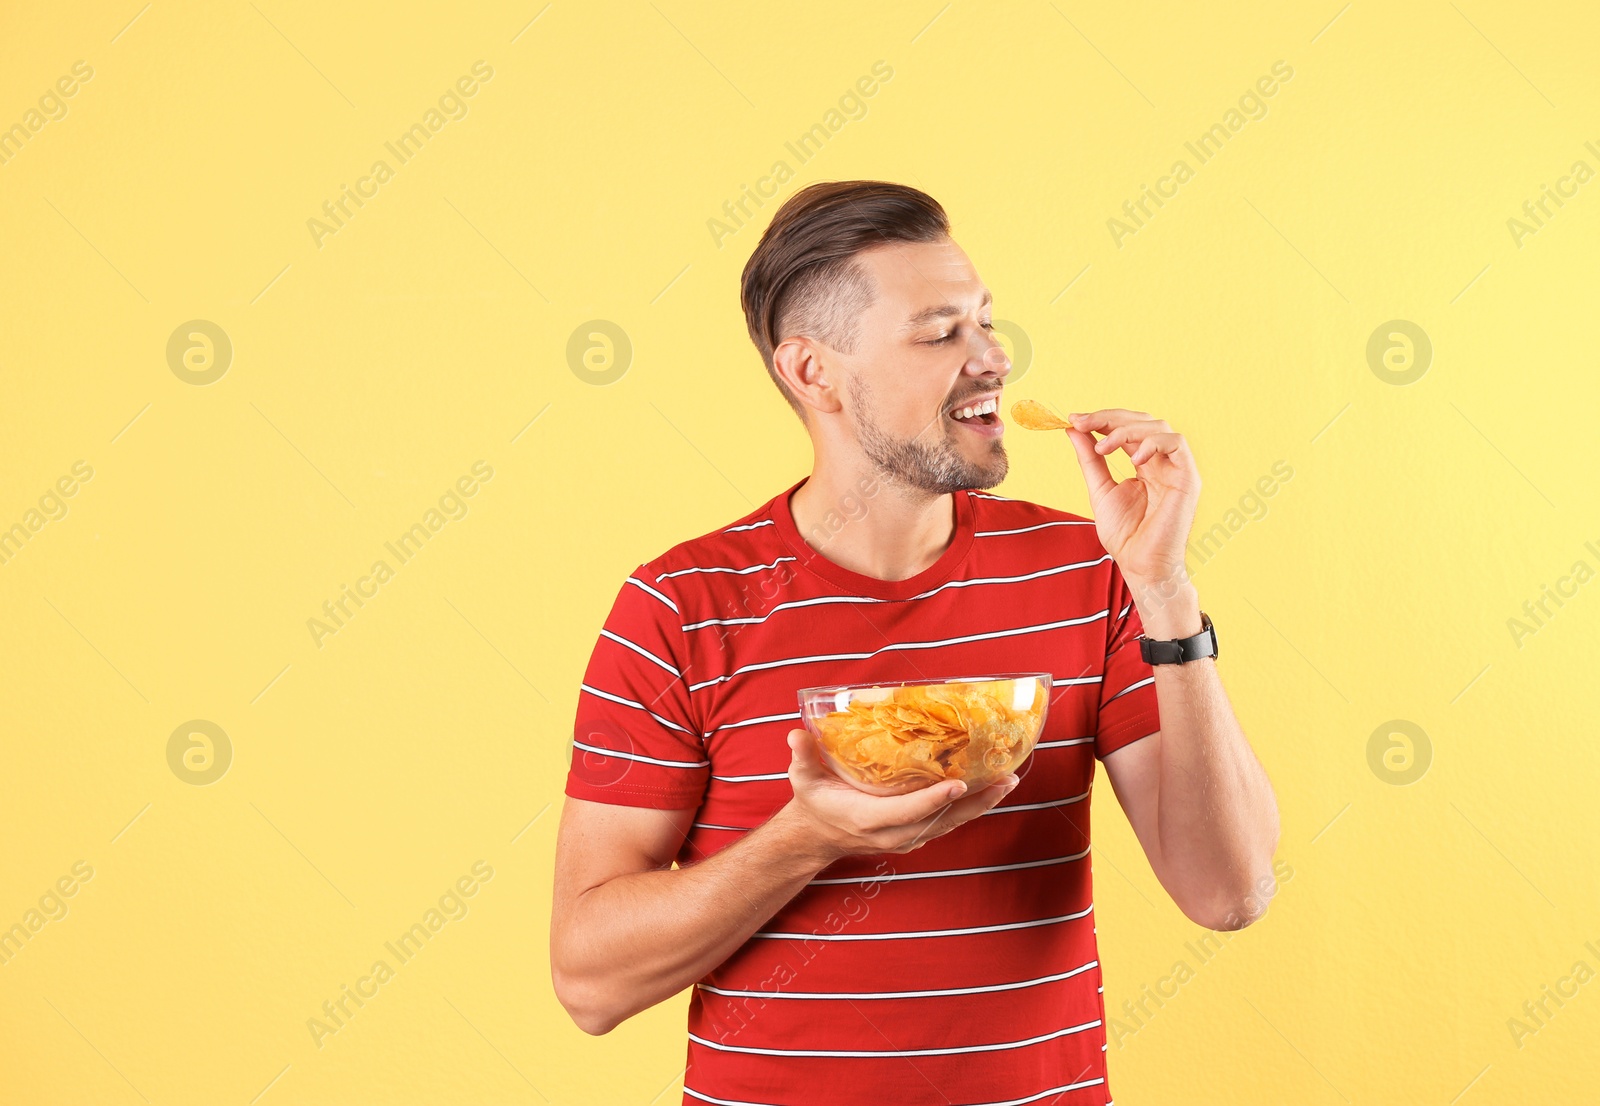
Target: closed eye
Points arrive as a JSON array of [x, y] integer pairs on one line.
[[943, 338]]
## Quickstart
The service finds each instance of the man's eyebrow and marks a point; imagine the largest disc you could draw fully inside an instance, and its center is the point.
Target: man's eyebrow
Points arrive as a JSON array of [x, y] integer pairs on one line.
[[943, 310]]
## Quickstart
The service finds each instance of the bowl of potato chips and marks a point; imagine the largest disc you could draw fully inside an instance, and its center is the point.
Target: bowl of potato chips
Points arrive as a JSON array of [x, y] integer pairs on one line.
[[891, 738]]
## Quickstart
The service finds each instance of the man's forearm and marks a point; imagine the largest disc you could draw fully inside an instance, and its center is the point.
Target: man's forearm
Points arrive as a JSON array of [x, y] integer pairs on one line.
[[638, 939], [1218, 819]]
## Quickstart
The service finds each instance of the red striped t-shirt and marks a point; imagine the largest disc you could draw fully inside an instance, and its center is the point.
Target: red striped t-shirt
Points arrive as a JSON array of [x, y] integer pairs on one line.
[[964, 972]]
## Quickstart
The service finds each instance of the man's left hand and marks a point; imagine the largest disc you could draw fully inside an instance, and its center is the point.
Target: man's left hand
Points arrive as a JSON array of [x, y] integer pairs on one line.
[[1144, 521]]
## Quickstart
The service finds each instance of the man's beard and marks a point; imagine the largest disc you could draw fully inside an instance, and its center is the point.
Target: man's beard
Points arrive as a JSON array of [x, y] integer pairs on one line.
[[935, 466]]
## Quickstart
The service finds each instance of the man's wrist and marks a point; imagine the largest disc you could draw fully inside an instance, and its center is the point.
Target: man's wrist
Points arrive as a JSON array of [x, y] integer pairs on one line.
[[800, 838], [1169, 608]]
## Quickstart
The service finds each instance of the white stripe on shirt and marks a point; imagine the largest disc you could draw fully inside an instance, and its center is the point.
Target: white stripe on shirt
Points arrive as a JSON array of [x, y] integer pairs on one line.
[[1007, 808], [641, 650], [853, 995], [735, 571], [819, 601], [1133, 687], [1051, 571], [1007, 1102], [894, 646], [903, 934], [669, 723], [1001, 808], [999, 1047], [1026, 529], [957, 871], [827, 599], [654, 592], [1061, 744], [754, 721], [644, 759]]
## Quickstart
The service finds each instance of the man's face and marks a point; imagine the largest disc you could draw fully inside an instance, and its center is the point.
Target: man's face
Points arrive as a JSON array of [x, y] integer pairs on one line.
[[925, 350]]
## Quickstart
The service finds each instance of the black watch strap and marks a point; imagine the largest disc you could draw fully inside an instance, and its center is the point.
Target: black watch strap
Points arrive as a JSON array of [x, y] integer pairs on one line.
[[1181, 650]]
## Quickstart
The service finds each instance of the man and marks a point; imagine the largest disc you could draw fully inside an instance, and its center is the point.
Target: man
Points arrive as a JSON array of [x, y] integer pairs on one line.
[[935, 946]]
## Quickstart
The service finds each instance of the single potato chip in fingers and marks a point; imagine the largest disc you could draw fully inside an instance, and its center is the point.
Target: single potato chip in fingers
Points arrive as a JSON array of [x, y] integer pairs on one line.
[[1033, 415]]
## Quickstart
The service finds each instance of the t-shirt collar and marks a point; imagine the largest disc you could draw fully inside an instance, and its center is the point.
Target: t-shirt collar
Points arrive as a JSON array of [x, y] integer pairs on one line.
[[856, 583]]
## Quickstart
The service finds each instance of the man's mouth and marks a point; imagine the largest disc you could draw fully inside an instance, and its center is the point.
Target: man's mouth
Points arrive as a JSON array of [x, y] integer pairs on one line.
[[979, 412]]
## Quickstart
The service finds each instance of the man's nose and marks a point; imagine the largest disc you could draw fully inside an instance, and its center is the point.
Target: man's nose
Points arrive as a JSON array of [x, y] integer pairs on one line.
[[994, 360]]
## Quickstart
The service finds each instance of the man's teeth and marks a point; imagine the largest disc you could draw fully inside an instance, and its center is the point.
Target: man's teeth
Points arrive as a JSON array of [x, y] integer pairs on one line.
[[987, 407]]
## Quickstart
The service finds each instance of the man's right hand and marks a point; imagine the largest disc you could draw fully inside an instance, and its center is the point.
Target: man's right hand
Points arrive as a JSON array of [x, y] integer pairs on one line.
[[844, 821]]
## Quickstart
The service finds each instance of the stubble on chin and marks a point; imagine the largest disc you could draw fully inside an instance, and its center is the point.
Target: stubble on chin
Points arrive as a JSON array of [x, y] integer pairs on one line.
[[937, 469]]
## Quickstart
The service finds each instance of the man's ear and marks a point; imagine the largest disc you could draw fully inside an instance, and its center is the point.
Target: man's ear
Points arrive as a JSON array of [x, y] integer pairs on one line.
[[799, 364]]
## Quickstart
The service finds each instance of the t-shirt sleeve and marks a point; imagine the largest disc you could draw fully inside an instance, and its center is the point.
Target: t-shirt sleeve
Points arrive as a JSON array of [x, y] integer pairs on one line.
[[1128, 688], [635, 738]]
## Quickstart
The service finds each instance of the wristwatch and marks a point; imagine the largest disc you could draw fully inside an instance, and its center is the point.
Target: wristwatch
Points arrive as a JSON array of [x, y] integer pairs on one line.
[[1181, 650]]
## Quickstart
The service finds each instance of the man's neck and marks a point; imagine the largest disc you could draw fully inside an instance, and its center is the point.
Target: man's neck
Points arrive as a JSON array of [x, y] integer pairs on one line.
[[863, 523]]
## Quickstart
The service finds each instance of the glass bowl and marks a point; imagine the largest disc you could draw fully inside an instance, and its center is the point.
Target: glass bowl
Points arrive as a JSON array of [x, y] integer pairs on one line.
[[891, 738]]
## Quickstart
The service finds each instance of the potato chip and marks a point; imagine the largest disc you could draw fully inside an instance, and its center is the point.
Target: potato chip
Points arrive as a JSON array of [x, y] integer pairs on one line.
[[1033, 415], [921, 735]]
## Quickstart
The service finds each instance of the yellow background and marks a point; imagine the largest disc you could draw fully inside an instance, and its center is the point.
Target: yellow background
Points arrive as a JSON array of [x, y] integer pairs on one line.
[[369, 373]]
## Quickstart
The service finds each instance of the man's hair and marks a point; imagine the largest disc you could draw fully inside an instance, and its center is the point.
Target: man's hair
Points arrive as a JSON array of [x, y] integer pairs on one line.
[[804, 278]]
